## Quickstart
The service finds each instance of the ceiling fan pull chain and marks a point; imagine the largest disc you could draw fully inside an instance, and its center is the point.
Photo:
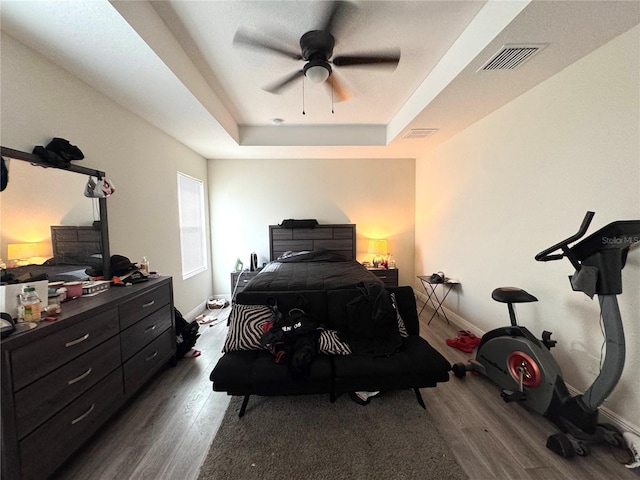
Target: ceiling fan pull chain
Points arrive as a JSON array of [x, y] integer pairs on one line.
[[303, 96], [332, 112]]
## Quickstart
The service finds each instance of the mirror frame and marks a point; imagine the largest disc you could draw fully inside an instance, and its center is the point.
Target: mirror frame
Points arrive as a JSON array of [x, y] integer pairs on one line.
[[104, 226]]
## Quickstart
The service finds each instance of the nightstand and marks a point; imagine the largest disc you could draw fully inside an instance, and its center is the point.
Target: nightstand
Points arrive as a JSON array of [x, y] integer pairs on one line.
[[245, 276], [388, 275]]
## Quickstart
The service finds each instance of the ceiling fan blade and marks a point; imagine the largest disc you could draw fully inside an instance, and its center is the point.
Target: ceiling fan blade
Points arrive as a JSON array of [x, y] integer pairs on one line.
[[390, 59], [335, 17], [277, 87], [243, 38], [340, 93]]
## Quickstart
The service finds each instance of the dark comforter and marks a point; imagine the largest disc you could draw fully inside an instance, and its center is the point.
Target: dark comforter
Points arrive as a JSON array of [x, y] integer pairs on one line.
[[318, 270]]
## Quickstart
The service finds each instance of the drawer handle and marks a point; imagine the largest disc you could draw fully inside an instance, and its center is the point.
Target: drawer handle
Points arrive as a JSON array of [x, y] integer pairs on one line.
[[383, 277], [148, 304], [150, 329], [152, 356], [76, 341], [80, 377], [84, 415]]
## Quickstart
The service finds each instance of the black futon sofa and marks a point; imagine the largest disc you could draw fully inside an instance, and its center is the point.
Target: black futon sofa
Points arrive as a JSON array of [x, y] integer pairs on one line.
[[254, 372]]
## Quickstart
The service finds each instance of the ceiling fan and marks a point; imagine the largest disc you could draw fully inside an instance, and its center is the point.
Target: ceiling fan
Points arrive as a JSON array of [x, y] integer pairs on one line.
[[316, 49]]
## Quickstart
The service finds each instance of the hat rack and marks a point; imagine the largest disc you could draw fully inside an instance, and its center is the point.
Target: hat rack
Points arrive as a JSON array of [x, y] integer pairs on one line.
[[36, 160]]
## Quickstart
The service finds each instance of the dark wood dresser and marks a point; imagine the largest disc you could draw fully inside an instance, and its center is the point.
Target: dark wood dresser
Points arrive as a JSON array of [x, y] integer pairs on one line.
[[62, 380]]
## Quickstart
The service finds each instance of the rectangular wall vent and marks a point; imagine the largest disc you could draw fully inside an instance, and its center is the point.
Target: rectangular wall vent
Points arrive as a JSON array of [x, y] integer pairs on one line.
[[510, 57], [420, 132]]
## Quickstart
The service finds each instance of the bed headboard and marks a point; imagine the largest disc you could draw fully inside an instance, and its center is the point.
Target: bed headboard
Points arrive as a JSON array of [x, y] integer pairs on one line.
[[339, 238], [75, 241]]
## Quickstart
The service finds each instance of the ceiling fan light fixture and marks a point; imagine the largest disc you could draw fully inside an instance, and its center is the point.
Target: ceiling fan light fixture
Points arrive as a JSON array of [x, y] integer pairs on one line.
[[317, 72]]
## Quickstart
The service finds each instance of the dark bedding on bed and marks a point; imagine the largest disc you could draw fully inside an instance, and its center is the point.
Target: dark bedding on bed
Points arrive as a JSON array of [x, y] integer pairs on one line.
[[66, 268], [317, 270]]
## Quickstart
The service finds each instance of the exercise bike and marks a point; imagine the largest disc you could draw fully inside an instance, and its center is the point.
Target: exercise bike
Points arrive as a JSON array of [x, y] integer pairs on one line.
[[514, 359]]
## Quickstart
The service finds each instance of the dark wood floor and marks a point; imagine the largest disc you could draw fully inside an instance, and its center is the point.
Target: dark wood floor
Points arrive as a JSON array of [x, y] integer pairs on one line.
[[166, 431]]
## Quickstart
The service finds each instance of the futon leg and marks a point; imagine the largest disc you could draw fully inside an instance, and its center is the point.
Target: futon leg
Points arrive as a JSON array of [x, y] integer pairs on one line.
[[244, 405], [419, 397]]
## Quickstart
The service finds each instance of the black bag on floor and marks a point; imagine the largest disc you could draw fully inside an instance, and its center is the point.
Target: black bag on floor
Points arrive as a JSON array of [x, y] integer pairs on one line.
[[186, 334]]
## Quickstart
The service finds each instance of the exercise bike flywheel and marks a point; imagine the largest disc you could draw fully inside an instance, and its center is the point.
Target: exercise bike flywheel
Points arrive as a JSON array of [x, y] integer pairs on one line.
[[520, 363]]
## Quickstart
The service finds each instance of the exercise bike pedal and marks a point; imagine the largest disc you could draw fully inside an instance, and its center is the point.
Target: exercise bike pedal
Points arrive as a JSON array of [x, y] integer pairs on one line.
[[511, 396]]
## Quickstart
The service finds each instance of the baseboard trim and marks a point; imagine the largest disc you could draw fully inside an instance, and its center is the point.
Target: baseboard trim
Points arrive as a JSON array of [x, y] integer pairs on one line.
[[463, 324], [191, 316]]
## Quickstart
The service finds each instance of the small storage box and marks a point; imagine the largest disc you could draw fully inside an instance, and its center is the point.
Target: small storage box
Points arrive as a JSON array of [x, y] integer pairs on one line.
[[94, 287]]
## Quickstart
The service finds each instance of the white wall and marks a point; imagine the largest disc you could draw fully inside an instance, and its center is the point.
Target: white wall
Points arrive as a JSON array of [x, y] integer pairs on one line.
[[41, 101], [246, 196], [521, 180]]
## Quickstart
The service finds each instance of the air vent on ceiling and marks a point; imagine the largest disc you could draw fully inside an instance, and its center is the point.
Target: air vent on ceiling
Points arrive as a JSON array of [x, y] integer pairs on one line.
[[510, 57], [420, 132]]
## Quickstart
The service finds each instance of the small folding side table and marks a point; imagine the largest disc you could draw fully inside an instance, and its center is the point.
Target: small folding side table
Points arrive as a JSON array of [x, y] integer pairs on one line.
[[436, 302]]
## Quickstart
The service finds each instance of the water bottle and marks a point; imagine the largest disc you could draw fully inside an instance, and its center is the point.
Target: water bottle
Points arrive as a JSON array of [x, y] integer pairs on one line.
[[144, 266], [391, 262], [32, 307]]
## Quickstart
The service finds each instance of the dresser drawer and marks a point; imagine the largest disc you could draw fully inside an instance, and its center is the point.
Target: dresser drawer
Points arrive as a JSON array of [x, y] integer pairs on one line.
[[50, 445], [143, 332], [388, 276], [45, 397], [141, 306], [36, 359], [245, 277], [146, 362]]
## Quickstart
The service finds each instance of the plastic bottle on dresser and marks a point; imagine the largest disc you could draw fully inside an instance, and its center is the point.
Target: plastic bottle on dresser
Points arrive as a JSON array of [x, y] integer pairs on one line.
[[391, 262], [31, 304], [144, 266]]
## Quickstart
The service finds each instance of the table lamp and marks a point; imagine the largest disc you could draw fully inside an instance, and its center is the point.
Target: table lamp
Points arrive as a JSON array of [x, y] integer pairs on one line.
[[377, 248], [22, 252]]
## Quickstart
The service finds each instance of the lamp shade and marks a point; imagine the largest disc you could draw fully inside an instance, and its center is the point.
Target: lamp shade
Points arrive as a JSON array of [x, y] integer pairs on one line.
[[377, 247], [22, 251]]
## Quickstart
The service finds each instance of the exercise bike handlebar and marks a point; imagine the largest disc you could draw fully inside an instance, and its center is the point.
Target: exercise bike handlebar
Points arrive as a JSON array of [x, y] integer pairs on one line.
[[546, 255]]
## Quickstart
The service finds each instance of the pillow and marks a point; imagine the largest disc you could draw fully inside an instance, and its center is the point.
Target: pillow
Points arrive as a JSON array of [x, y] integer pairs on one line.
[[330, 343], [401, 326], [245, 327]]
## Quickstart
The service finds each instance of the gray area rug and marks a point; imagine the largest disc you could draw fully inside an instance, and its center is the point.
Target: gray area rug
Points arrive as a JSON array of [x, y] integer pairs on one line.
[[307, 437]]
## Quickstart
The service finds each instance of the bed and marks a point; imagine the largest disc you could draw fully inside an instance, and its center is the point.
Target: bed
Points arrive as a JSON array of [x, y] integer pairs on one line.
[[319, 258]]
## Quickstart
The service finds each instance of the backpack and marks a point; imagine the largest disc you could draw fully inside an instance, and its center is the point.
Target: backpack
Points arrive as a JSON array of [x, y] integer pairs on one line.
[[293, 341], [186, 334]]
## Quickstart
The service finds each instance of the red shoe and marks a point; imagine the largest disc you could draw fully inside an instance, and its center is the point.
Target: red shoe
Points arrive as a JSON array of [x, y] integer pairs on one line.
[[466, 341], [461, 344], [469, 336]]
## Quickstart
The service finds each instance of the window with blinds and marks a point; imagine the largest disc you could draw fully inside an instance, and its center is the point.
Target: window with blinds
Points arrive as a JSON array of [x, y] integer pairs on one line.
[[193, 238]]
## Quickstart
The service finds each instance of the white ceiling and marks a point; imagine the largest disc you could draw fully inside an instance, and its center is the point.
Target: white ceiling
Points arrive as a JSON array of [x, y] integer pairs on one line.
[[174, 64]]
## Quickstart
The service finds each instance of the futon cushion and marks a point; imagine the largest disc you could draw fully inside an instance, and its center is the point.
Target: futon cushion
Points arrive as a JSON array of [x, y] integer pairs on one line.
[[417, 364], [269, 378], [232, 373]]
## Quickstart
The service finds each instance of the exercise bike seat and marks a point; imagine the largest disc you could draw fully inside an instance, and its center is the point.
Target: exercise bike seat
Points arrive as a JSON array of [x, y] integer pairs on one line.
[[512, 295]]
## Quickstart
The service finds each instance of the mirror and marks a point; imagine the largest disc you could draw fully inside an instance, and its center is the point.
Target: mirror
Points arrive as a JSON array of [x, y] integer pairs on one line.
[[38, 198]]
